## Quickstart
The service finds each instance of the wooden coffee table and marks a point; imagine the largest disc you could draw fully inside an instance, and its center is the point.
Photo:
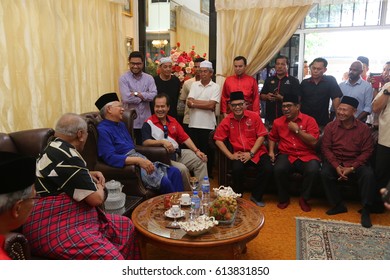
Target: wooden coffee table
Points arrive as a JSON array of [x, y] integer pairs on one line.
[[229, 240]]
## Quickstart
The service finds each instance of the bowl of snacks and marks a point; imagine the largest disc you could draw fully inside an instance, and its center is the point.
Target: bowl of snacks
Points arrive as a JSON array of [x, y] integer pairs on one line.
[[224, 209], [198, 226]]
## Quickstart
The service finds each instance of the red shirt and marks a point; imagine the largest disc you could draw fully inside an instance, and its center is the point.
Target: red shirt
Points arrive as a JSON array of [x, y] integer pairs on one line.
[[3, 254], [245, 83], [175, 130], [243, 133], [350, 147], [290, 143]]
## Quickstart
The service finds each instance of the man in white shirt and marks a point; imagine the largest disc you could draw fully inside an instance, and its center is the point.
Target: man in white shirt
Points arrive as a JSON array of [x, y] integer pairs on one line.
[[202, 101]]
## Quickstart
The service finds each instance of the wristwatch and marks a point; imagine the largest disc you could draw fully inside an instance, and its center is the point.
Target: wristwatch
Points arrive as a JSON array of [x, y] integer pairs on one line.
[[251, 154], [135, 93]]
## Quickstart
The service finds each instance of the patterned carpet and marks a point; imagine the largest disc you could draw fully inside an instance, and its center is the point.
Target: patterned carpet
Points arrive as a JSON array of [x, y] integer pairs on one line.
[[336, 240]]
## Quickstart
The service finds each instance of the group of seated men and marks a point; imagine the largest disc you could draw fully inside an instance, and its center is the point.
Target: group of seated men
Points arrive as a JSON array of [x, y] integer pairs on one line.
[[346, 148], [66, 221]]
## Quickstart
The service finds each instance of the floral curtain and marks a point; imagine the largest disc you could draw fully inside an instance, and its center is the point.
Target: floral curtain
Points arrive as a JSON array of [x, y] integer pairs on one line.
[[57, 56], [192, 29]]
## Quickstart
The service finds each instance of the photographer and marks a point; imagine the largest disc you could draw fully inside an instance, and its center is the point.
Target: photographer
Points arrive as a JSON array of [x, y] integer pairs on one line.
[[381, 106]]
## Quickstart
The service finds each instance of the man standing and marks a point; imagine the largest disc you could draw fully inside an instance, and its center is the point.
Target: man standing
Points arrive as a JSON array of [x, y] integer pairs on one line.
[[381, 106], [276, 87], [241, 82], [185, 91], [297, 135], [246, 133], [161, 130], [366, 64], [202, 101], [137, 90], [347, 145], [317, 91], [17, 193], [358, 88], [168, 84], [117, 149]]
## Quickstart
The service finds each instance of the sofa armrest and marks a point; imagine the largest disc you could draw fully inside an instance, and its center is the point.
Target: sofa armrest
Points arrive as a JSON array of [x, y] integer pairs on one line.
[[16, 246], [154, 153]]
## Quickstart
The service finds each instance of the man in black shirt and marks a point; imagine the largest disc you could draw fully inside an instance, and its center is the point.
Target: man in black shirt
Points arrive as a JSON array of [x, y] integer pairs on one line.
[[276, 87], [317, 91]]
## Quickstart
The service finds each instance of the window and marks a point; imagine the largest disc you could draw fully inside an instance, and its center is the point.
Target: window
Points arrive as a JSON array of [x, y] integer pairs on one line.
[[356, 13]]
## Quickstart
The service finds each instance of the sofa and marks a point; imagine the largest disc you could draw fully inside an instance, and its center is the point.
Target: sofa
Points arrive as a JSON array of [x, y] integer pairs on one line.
[[349, 189], [31, 142]]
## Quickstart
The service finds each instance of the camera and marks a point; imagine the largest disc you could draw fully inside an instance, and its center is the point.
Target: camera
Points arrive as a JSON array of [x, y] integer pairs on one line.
[[376, 79]]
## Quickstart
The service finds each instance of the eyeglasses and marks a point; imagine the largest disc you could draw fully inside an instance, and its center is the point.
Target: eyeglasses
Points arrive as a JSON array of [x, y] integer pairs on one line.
[[237, 104], [165, 128], [135, 63]]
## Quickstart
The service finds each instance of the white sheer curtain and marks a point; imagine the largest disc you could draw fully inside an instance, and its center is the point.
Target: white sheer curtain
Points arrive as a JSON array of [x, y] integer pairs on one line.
[[57, 56], [192, 29]]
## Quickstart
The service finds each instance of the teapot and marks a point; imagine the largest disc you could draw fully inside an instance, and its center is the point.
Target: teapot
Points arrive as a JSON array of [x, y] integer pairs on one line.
[[116, 198], [114, 188]]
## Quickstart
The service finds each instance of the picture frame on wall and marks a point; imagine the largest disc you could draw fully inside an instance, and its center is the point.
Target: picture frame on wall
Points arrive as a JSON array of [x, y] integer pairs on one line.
[[128, 8], [205, 7], [129, 45]]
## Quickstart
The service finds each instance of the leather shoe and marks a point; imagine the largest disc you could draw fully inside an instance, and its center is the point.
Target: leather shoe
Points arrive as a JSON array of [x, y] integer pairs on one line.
[[338, 209], [365, 218], [257, 202], [304, 205], [283, 205]]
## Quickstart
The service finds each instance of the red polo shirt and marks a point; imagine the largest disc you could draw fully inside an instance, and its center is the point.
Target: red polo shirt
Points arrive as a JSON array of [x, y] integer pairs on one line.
[[175, 130], [243, 133], [290, 143]]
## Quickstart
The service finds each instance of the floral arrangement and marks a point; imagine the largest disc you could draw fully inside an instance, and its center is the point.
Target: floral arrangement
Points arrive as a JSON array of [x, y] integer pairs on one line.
[[183, 62]]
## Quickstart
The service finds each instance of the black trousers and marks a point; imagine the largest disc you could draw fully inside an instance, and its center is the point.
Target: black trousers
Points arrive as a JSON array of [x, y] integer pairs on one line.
[[264, 167], [364, 175], [283, 168], [382, 162], [200, 137]]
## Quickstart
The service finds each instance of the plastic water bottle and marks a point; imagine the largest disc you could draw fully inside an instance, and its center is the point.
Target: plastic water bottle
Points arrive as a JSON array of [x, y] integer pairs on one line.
[[206, 189], [195, 204], [205, 195]]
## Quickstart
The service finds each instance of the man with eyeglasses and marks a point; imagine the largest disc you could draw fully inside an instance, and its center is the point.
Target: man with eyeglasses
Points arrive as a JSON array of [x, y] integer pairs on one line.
[[162, 130], [297, 135], [17, 193], [116, 148], [246, 133], [137, 90]]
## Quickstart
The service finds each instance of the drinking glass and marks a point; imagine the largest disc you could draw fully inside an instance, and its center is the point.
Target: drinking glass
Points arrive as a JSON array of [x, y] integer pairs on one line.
[[194, 183]]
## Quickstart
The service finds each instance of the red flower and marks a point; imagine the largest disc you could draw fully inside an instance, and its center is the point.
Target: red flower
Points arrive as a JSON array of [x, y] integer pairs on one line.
[[177, 68], [162, 52], [178, 44]]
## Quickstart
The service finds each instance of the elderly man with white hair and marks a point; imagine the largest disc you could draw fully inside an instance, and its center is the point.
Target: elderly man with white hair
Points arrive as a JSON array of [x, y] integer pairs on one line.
[[168, 84], [202, 101]]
